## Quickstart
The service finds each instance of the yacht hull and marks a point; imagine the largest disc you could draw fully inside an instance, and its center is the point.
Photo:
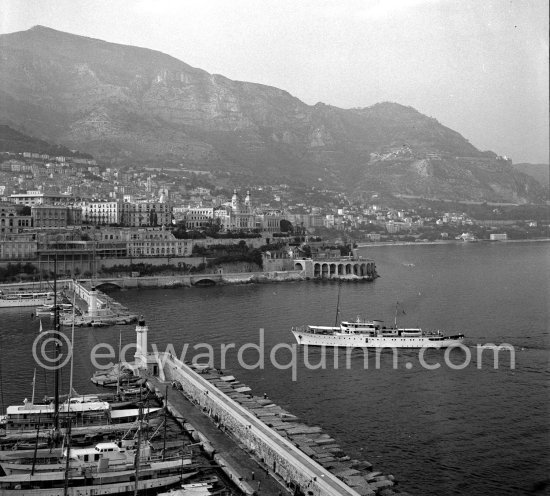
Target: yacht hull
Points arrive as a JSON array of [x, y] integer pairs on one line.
[[364, 341]]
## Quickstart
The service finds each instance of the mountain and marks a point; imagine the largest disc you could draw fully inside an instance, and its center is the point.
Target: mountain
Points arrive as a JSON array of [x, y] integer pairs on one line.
[[125, 104], [14, 141], [540, 172]]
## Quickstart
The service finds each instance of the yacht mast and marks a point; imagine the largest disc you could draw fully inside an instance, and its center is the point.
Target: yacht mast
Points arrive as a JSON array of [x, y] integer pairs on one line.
[[119, 364], [72, 349], [137, 456], [338, 304], [57, 345], [33, 386], [68, 459], [35, 446]]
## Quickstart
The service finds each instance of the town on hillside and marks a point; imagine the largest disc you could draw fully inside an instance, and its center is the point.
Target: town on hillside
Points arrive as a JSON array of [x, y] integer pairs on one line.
[[97, 219]]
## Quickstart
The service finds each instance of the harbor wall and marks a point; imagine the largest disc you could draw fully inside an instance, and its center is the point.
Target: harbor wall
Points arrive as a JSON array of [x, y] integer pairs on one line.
[[128, 282], [177, 280], [283, 458], [190, 280]]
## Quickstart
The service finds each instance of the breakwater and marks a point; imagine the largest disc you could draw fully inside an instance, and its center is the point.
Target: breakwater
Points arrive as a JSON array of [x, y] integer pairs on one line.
[[94, 307], [303, 458], [303, 270]]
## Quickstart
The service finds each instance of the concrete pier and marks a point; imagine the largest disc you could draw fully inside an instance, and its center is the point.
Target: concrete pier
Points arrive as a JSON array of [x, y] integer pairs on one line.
[[291, 457], [95, 306], [240, 468]]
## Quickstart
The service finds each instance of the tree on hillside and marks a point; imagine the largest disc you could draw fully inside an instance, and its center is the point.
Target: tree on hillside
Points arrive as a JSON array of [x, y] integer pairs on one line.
[[213, 227], [306, 250]]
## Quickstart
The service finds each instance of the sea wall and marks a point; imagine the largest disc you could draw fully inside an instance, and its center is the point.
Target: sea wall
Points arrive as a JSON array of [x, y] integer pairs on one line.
[[283, 458]]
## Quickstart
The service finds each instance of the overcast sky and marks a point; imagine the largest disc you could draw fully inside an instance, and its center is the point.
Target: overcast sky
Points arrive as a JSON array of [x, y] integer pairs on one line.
[[479, 67]]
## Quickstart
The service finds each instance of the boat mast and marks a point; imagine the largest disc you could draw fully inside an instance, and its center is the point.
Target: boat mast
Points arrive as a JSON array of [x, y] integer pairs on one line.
[[165, 408], [338, 304], [33, 386], [68, 460], [136, 458], [35, 446], [57, 344], [395, 315], [72, 352], [119, 364]]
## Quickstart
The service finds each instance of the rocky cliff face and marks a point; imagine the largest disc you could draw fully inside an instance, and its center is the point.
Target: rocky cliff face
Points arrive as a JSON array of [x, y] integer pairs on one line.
[[128, 103]]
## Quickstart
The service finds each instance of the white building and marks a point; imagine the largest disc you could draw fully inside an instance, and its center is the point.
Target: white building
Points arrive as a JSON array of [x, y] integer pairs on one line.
[[101, 212], [158, 243], [38, 198], [200, 217]]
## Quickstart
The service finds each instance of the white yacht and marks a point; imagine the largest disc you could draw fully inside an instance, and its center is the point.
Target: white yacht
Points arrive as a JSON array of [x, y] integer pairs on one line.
[[26, 299], [373, 334], [84, 411], [101, 479]]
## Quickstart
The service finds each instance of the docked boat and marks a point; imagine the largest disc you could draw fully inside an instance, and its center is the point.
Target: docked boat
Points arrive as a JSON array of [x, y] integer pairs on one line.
[[100, 480], [373, 334], [64, 308], [26, 299], [83, 411], [30, 416], [125, 397], [203, 488], [119, 455], [118, 375], [45, 310], [106, 468]]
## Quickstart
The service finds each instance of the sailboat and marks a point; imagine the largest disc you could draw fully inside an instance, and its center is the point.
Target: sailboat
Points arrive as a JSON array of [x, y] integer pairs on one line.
[[90, 480], [22, 421], [126, 467], [107, 468], [30, 416]]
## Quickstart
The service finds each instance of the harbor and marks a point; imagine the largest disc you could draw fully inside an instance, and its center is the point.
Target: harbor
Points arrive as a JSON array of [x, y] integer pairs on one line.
[[95, 308], [260, 447], [244, 253], [358, 408]]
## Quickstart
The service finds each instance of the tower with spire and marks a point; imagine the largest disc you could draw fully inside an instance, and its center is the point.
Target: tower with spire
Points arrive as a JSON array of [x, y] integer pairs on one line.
[[241, 216], [235, 203]]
